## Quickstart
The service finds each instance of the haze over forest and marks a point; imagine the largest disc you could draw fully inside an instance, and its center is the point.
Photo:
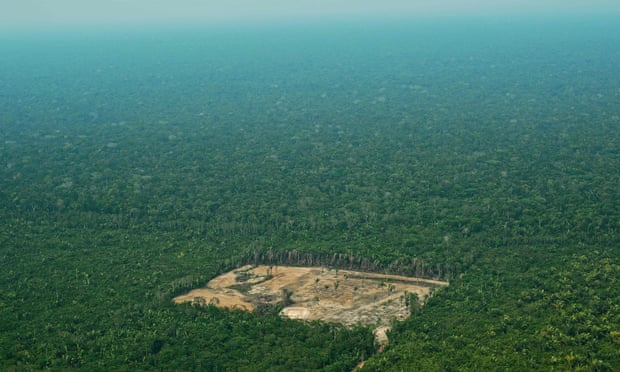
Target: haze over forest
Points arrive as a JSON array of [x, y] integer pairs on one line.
[[148, 148]]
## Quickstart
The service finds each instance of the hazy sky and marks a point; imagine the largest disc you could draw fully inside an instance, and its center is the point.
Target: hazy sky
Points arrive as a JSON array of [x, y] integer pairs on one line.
[[88, 11]]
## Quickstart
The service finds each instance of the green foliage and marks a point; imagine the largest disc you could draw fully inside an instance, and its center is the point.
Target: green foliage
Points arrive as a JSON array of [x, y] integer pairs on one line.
[[124, 188]]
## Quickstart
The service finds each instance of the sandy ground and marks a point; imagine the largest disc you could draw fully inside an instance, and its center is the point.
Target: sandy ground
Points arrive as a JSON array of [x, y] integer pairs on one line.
[[340, 296]]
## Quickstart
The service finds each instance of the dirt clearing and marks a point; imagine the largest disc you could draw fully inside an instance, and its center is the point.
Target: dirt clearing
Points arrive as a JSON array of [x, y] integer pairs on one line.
[[314, 293]]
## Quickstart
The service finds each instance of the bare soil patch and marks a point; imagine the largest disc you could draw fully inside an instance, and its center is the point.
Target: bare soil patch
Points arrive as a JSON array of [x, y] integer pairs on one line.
[[314, 293]]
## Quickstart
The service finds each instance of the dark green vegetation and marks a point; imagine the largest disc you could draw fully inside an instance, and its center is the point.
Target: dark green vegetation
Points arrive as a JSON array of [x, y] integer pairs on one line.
[[135, 169]]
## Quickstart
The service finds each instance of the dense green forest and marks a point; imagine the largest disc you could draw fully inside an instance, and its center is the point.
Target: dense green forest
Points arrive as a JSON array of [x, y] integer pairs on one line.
[[127, 187]]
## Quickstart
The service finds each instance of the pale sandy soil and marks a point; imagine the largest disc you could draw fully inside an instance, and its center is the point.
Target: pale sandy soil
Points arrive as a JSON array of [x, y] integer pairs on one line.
[[340, 296]]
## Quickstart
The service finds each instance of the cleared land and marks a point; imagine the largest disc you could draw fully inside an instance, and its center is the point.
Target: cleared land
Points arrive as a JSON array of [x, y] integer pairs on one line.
[[313, 293]]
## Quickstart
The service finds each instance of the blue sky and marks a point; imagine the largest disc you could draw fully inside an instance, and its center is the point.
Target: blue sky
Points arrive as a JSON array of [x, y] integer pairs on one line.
[[40, 12]]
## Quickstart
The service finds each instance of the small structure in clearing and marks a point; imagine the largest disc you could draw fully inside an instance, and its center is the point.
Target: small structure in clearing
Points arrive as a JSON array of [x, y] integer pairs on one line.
[[314, 293]]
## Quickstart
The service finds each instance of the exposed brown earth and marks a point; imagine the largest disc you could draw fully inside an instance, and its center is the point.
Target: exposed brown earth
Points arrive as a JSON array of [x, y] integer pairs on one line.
[[339, 296]]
